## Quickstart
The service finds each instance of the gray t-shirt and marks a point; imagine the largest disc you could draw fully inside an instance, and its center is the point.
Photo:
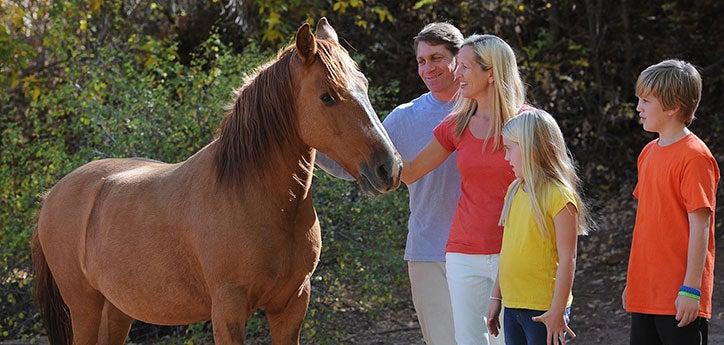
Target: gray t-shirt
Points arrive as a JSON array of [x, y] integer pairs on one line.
[[434, 197]]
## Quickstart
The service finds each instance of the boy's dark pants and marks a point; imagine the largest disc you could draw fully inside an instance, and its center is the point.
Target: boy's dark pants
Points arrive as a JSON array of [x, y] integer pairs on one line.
[[648, 329]]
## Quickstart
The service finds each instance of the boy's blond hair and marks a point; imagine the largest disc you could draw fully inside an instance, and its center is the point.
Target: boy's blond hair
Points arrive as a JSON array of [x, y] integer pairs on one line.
[[675, 83]]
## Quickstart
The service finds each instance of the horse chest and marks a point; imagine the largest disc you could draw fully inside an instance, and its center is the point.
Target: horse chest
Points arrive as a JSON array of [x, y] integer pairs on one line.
[[291, 250], [267, 247]]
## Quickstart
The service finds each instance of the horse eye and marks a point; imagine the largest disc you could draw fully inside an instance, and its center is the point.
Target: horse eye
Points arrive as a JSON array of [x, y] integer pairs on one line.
[[327, 99]]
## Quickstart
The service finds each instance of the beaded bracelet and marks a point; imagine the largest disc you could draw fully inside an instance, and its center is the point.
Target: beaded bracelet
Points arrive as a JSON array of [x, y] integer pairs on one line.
[[690, 290], [690, 295], [496, 298]]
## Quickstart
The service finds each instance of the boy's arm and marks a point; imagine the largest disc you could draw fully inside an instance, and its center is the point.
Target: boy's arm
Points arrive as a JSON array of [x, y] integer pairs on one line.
[[687, 309], [566, 226]]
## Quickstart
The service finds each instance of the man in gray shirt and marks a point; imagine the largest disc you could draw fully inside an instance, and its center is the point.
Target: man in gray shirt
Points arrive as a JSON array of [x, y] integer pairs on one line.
[[433, 198]]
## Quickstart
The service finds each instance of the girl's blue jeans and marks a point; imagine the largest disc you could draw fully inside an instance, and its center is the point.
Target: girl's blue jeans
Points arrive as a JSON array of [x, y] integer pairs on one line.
[[520, 329]]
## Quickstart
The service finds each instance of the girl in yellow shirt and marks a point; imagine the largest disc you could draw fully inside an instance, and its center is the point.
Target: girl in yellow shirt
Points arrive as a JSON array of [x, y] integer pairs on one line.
[[542, 216]]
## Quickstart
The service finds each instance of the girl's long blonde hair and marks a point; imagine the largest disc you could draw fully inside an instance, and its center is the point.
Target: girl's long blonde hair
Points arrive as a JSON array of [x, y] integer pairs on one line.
[[546, 162], [508, 95]]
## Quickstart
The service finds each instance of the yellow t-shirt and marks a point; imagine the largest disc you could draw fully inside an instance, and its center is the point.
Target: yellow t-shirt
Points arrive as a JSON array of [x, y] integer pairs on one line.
[[528, 260]]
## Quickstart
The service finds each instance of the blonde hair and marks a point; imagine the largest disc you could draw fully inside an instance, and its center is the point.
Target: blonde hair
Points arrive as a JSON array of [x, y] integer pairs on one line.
[[674, 83], [546, 162], [509, 94]]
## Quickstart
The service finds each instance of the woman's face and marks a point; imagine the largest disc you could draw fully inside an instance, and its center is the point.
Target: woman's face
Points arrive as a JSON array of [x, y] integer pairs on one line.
[[474, 80]]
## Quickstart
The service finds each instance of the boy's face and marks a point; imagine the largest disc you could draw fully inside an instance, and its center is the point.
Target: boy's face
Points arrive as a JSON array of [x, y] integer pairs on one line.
[[652, 115]]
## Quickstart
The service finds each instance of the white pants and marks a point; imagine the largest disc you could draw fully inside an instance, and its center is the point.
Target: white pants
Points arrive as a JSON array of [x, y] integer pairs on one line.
[[470, 279], [431, 298]]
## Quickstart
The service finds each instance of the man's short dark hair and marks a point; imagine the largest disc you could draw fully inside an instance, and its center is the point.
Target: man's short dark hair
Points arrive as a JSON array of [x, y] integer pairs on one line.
[[440, 33]]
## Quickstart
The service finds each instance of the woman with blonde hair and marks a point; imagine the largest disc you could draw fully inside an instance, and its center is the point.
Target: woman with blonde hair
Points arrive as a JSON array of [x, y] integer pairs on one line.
[[491, 92], [543, 214]]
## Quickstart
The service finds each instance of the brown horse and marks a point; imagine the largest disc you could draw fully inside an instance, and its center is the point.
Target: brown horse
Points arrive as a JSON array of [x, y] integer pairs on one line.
[[231, 229]]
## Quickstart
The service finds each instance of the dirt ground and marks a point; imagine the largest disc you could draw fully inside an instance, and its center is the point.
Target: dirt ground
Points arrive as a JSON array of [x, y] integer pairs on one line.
[[597, 316]]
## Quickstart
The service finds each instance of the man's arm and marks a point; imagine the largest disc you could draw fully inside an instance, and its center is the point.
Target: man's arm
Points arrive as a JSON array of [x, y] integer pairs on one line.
[[331, 167]]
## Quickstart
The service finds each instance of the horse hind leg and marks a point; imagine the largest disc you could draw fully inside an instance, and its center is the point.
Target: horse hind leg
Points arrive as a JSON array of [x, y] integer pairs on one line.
[[53, 309], [85, 315], [96, 321], [114, 325], [71, 308]]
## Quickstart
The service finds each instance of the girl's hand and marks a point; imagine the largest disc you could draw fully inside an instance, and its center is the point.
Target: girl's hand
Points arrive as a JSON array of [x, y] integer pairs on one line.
[[556, 327], [494, 317]]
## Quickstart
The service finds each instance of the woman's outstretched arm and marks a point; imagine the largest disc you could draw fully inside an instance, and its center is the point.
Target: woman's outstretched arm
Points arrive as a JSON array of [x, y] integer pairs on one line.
[[428, 159]]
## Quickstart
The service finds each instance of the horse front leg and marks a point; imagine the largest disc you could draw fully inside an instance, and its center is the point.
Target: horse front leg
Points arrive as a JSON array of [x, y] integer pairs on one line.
[[286, 324], [229, 311]]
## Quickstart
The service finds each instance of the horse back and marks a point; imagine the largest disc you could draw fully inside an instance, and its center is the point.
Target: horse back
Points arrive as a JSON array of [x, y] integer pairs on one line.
[[68, 205]]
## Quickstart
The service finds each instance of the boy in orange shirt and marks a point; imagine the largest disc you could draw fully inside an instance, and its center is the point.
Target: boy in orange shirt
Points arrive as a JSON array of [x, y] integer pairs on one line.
[[671, 268]]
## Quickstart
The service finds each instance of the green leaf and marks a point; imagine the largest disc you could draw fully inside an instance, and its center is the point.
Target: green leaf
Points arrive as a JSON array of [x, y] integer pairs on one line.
[[421, 3]]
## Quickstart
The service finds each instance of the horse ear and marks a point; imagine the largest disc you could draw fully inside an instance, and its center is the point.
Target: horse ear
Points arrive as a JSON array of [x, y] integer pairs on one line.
[[326, 31], [306, 43]]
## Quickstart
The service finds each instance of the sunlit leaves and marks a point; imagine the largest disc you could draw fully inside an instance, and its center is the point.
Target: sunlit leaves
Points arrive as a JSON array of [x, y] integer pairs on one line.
[[278, 26], [422, 3]]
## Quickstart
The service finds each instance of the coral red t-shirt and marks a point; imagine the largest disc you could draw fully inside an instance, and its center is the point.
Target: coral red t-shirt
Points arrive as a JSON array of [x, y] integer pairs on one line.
[[672, 181], [485, 177]]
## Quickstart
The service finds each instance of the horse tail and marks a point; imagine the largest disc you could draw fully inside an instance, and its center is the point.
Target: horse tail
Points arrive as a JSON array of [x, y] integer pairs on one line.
[[54, 311]]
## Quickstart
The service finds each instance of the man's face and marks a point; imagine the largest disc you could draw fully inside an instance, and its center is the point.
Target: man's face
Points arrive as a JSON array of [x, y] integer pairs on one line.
[[436, 67]]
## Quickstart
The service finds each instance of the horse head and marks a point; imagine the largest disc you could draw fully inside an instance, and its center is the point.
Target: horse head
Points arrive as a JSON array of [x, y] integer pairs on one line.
[[334, 111]]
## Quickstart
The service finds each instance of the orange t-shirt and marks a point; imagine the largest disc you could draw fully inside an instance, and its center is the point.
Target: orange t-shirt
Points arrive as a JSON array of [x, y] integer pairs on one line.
[[672, 181], [484, 179]]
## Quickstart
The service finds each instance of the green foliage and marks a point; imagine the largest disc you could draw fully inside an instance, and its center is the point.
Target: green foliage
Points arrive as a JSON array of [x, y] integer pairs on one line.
[[88, 79], [361, 269], [365, 14]]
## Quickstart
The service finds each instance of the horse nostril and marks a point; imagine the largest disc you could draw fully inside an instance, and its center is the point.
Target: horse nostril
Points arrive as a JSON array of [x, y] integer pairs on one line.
[[382, 172]]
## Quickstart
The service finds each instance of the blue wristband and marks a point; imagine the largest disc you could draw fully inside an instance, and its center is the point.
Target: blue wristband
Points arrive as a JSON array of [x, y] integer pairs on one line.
[[690, 290], [690, 295]]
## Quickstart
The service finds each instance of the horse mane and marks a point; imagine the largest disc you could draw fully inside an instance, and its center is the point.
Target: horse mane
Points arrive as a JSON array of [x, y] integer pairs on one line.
[[261, 124]]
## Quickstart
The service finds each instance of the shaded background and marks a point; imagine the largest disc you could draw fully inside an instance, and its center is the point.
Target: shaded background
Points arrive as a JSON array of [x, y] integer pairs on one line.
[[84, 80]]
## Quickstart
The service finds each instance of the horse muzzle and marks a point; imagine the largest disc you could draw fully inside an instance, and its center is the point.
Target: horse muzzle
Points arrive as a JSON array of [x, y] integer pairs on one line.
[[381, 174]]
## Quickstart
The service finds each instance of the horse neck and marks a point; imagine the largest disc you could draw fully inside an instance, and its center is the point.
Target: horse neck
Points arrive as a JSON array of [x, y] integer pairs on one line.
[[295, 174], [288, 179]]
